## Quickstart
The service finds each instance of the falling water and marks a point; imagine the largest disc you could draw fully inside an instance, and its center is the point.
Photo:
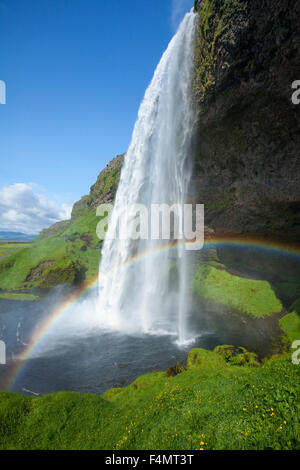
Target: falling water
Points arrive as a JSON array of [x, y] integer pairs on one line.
[[149, 295]]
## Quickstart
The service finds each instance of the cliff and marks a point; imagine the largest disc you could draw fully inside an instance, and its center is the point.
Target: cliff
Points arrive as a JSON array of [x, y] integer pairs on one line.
[[247, 134], [103, 191]]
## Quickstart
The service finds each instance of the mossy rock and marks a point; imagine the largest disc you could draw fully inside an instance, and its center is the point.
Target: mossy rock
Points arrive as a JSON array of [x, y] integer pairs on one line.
[[68, 273], [147, 380], [234, 293], [238, 356], [290, 325], [201, 358], [175, 370]]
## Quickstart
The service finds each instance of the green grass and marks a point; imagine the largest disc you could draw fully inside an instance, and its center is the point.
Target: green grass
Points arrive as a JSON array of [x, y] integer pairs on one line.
[[290, 324], [248, 296], [212, 405], [15, 269], [18, 296], [68, 252], [6, 249], [74, 254]]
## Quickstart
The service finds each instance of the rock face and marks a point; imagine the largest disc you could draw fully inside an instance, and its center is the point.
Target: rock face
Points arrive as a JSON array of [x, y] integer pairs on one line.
[[54, 229], [105, 188], [247, 134], [78, 207], [103, 191]]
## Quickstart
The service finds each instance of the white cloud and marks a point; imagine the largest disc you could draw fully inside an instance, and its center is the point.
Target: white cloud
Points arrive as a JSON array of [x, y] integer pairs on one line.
[[179, 9], [25, 209]]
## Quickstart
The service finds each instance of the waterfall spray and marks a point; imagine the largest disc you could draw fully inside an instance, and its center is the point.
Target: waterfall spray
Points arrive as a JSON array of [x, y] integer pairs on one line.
[[151, 295]]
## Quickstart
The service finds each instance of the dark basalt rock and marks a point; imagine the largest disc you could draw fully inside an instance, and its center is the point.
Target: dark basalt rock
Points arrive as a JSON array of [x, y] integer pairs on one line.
[[247, 134]]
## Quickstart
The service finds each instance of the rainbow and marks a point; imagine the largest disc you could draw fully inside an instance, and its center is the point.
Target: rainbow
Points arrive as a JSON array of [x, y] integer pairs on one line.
[[40, 334]]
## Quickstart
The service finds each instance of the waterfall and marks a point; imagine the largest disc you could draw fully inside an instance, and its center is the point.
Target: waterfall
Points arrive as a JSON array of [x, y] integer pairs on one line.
[[142, 283]]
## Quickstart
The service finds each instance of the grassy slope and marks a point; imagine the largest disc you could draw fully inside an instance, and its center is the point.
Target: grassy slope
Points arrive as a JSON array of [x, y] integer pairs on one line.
[[212, 405], [290, 323], [252, 297], [70, 250], [72, 257]]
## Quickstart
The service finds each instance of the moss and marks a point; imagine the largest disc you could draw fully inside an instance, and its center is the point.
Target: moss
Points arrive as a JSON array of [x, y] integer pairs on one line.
[[215, 20], [204, 359], [111, 393], [247, 296], [74, 255], [290, 325], [196, 5], [78, 208], [69, 272], [147, 380], [175, 370], [238, 356], [106, 185]]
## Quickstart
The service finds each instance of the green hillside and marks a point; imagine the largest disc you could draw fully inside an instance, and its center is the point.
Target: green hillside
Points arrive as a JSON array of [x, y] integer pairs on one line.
[[69, 251]]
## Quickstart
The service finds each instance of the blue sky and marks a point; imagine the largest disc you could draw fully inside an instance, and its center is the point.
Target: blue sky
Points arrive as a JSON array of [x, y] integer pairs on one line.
[[75, 73]]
